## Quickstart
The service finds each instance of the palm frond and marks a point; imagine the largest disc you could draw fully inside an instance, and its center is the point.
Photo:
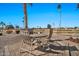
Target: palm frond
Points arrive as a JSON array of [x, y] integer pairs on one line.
[[31, 4], [59, 7], [2, 23], [78, 5]]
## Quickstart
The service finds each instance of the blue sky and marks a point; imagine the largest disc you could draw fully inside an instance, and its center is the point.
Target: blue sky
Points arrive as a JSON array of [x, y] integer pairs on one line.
[[40, 14]]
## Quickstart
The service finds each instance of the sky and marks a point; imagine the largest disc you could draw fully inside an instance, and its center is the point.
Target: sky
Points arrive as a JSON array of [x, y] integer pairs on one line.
[[40, 14]]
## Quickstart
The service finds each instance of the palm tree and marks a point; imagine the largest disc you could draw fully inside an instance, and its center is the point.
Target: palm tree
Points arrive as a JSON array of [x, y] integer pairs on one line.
[[50, 31], [26, 22], [2, 24], [59, 10]]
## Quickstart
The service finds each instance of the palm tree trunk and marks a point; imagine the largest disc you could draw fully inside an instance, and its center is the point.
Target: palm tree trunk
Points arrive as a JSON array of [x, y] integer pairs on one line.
[[25, 16], [50, 33], [60, 20], [2, 28], [59, 9]]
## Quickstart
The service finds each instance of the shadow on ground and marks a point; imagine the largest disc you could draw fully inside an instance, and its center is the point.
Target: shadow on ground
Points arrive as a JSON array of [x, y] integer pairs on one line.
[[51, 46]]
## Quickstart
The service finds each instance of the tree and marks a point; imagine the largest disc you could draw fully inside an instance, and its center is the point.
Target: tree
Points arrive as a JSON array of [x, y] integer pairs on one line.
[[2, 24], [75, 27], [50, 31], [26, 19], [48, 26], [17, 27], [9, 27], [59, 10]]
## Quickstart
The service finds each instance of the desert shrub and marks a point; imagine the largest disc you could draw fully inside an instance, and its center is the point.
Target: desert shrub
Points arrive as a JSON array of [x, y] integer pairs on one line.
[[9, 31], [1, 34], [17, 31]]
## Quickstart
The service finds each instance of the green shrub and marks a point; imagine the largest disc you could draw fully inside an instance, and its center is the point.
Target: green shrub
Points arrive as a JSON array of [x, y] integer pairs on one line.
[[17, 31]]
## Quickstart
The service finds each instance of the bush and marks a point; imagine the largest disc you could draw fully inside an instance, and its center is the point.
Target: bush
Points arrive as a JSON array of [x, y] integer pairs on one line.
[[1, 34], [9, 31], [17, 31]]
